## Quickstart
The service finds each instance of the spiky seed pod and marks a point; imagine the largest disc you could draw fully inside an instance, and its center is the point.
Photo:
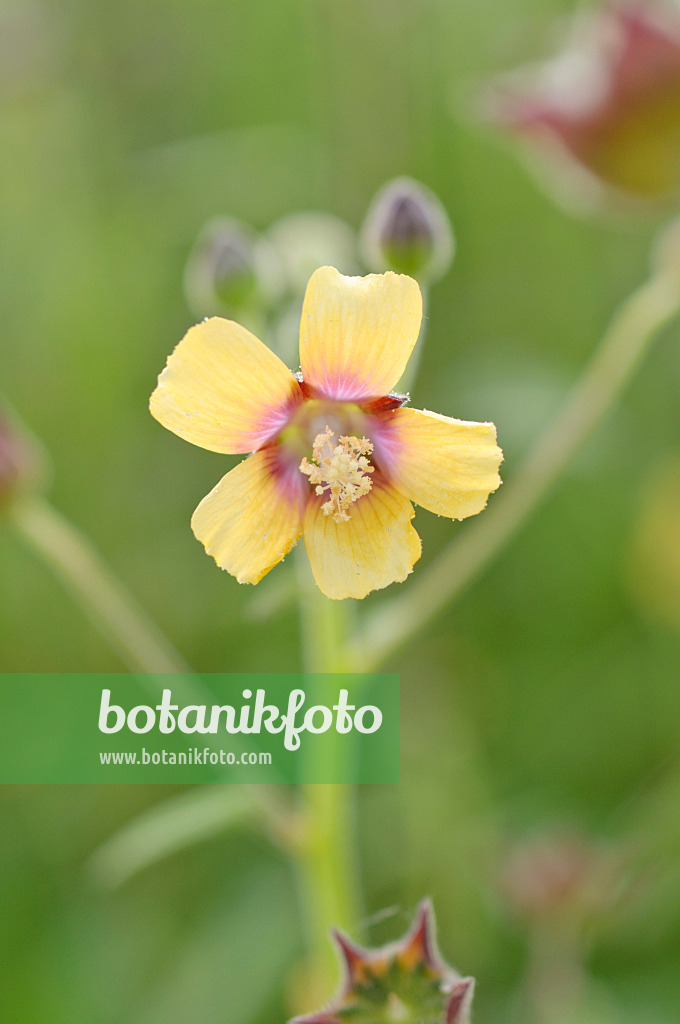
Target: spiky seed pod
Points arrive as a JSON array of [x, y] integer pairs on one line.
[[405, 982]]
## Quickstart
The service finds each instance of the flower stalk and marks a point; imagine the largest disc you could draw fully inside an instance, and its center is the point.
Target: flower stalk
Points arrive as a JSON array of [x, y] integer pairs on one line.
[[141, 646], [408, 380], [326, 856], [327, 867]]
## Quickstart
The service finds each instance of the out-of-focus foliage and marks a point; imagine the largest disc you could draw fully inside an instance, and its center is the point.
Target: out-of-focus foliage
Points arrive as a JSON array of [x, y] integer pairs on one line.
[[548, 695]]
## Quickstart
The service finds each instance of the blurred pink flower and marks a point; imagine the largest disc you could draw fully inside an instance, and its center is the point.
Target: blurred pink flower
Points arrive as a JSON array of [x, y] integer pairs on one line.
[[609, 104]]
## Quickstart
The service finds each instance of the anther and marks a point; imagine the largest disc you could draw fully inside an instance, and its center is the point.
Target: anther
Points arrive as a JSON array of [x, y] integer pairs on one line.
[[340, 469]]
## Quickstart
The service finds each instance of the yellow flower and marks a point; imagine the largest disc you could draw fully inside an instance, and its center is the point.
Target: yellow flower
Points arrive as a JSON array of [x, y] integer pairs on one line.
[[336, 457]]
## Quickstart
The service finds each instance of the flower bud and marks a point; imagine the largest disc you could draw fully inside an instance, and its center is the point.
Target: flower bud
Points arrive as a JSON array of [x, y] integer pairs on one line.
[[606, 112], [22, 463], [407, 230], [232, 271], [559, 875]]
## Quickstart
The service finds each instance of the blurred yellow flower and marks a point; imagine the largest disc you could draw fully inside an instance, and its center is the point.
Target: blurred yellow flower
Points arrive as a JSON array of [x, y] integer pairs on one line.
[[336, 457]]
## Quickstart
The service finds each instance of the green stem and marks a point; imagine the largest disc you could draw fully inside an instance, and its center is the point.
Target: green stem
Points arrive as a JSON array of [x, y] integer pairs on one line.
[[116, 614], [326, 856], [610, 369], [408, 379]]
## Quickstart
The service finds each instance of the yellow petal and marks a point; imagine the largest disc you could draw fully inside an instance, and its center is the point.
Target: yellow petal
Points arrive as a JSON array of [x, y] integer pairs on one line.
[[375, 547], [357, 333], [448, 466], [252, 519], [222, 389]]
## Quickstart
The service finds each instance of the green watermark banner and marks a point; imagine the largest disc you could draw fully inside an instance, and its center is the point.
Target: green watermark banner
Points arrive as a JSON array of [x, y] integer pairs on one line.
[[211, 728]]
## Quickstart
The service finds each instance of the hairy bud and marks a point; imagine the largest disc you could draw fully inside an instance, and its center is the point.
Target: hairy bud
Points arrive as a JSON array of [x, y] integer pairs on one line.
[[407, 230], [231, 271], [559, 875]]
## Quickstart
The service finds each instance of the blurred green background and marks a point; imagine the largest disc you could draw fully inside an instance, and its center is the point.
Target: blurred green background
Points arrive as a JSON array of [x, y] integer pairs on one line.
[[548, 697]]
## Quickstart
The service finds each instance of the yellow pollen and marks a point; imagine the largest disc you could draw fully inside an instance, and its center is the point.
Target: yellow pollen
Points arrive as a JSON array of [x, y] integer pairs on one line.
[[340, 468]]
